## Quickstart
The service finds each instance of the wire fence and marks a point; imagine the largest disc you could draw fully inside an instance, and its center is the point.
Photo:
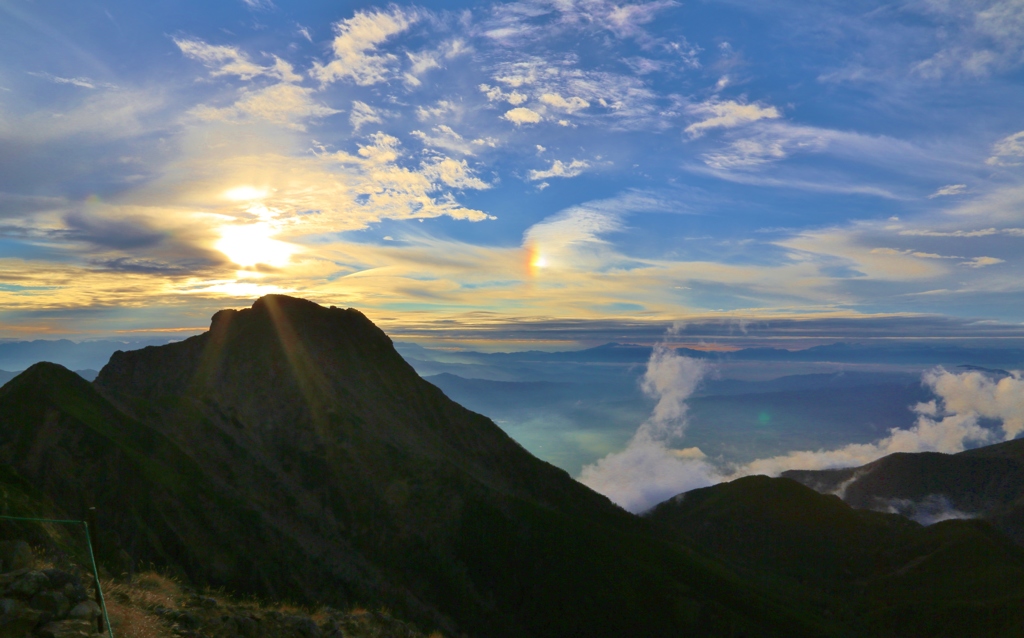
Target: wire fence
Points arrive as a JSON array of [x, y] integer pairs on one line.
[[92, 559]]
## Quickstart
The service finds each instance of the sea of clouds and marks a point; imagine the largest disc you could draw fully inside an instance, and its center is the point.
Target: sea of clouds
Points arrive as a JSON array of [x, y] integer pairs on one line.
[[654, 466]]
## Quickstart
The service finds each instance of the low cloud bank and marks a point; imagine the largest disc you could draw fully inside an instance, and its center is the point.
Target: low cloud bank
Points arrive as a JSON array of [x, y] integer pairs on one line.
[[949, 424], [650, 470], [933, 508]]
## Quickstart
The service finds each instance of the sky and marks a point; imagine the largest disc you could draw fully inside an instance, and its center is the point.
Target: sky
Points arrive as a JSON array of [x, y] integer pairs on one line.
[[563, 171]]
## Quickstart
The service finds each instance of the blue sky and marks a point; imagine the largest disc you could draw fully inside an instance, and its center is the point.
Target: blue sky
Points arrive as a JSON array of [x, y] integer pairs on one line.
[[488, 167]]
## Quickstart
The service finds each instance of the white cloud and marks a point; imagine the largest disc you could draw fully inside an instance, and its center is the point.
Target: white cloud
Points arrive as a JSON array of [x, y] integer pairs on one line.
[[617, 101], [540, 19], [560, 169], [355, 43], [495, 94], [1008, 151], [384, 185], [746, 153], [577, 226], [984, 232], [981, 262], [283, 104], [570, 105], [947, 425], [420, 63], [225, 60], [522, 115], [440, 108], [986, 36], [446, 138], [454, 173], [770, 140], [82, 82], [648, 471], [108, 115], [362, 113], [948, 190], [727, 114]]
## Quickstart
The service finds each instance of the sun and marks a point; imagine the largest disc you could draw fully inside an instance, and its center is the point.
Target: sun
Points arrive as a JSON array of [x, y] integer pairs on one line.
[[251, 244]]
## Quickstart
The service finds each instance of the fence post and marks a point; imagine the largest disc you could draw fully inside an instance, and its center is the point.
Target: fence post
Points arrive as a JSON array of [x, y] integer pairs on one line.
[[90, 520]]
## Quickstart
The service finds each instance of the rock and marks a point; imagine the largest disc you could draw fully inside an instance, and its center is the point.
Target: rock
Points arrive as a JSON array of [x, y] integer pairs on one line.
[[29, 585], [68, 629], [59, 578], [10, 577], [304, 627], [16, 619], [75, 593], [85, 610], [15, 555], [186, 620], [53, 603], [247, 627]]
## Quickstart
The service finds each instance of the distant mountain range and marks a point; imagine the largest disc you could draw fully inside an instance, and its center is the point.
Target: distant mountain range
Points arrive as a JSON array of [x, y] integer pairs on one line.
[[290, 452], [19, 355], [890, 353], [84, 355]]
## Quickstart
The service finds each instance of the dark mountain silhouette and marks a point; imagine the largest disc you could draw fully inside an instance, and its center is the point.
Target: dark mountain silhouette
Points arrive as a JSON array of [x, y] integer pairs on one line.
[[291, 452], [986, 483], [880, 573]]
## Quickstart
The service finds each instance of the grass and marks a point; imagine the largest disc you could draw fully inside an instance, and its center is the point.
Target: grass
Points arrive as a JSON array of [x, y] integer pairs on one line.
[[149, 605]]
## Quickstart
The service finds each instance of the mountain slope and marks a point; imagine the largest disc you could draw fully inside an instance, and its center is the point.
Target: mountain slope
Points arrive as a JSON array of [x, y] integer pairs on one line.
[[985, 482], [290, 447], [879, 573], [157, 504]]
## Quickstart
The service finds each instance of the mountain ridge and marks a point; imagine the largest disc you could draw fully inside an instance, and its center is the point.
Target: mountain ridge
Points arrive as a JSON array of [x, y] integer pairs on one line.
[[327, 467]]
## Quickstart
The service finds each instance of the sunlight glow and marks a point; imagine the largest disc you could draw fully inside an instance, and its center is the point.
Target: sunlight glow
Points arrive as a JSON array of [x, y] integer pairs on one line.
[[245, 193], [251, 244], [536, 260]]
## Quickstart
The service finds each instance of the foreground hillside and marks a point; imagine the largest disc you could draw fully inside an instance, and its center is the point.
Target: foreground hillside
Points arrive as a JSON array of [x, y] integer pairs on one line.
[[883, 573], [291, 453]]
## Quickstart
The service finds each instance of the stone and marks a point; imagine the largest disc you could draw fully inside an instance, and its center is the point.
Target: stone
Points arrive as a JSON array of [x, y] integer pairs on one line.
[[304, 627], [53, 603], [9, 577], [16, 619], [15, 555], [59, 578], [247, 627], [85, 610], [29, 585], [75, 593]]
